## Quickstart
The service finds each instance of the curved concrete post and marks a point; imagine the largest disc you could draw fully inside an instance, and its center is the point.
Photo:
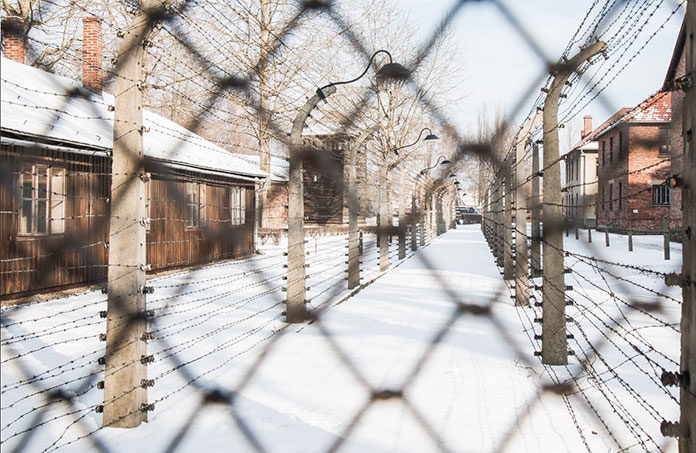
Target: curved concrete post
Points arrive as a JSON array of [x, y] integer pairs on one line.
[[554, 341], [295, 304], [353, 208]]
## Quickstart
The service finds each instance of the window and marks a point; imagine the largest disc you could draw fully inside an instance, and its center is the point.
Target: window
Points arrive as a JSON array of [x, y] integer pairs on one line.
[[575, 205], [620, 195], [620, 145], [661, 194], [611, 149], [195, 205], [611, 197], [238, 205], [604, 152], [604, 200], [42, 200], [567, 170], [664, 144], [577, 168]]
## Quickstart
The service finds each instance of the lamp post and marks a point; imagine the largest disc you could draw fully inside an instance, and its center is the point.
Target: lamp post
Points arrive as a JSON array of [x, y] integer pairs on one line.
[[442, 220], [353, 208], [441, 160], [428, 137], [296, 310], [385, 218]]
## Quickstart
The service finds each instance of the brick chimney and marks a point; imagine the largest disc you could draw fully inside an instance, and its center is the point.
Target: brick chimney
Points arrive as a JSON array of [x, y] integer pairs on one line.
[[13, 38], [92, 77], [587, 127]]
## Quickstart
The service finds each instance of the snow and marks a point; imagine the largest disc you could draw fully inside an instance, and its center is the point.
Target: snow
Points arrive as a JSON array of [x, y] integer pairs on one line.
[[36, 103], [477, 388], [280, 167]]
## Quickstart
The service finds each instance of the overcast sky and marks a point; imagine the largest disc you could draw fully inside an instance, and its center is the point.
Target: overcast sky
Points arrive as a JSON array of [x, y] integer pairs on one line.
[[500, 66]]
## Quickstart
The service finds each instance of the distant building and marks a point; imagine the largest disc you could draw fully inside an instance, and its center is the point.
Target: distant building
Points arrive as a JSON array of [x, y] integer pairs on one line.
[[325, 184], [634, 163], [580, 186]]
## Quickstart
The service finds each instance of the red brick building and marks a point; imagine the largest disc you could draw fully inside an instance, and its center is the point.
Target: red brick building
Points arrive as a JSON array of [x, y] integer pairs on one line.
[[633, 164]]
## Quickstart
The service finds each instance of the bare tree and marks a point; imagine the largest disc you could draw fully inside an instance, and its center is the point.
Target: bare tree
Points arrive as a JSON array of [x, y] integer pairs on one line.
[[494, 132]]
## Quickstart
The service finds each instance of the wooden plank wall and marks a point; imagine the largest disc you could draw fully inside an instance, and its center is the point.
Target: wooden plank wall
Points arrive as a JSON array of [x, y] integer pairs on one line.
[[171, 244], [31, 263], [79, 256]]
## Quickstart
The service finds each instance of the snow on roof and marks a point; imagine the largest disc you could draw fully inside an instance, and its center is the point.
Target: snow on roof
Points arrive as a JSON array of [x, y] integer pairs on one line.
[[36, 103], [280, 167], [657, 108]]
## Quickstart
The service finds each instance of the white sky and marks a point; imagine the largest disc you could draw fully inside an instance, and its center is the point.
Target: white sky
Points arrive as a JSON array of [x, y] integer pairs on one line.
[[500, 66]]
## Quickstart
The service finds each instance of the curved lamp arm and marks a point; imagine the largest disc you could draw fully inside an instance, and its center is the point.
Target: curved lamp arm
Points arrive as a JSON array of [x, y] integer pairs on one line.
[[437, 162], [320, 91], [430, 136]]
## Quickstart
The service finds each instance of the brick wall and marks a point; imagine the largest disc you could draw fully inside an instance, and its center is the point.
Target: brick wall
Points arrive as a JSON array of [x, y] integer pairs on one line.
[[612, 201], [644, 142], [13, 38], [92, 77], [278, 206], [638, 210]]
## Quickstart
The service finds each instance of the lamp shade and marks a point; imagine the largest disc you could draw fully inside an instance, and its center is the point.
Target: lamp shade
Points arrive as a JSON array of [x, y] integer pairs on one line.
[[393, 71]]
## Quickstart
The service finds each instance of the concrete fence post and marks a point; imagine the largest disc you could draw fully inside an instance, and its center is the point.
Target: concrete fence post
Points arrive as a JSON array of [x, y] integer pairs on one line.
[[535, 252], [687, 393], [414, 218], [384, 215], [508, 267], [296, 310], [554, 337], [354, 239], [665, 240], [126, 324]]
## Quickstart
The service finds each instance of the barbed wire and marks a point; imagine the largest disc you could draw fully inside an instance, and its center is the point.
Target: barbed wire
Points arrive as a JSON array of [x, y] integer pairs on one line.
[[259, 278]]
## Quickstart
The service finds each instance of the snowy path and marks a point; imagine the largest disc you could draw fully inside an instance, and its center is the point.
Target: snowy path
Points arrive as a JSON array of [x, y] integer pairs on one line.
[[466, 394]]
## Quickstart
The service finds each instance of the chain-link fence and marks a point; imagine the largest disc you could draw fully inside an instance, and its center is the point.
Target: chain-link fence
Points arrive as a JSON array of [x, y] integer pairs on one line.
[[99, 189]]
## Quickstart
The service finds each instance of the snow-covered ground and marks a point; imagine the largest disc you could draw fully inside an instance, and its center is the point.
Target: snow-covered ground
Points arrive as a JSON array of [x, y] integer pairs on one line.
[[469, 378]]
